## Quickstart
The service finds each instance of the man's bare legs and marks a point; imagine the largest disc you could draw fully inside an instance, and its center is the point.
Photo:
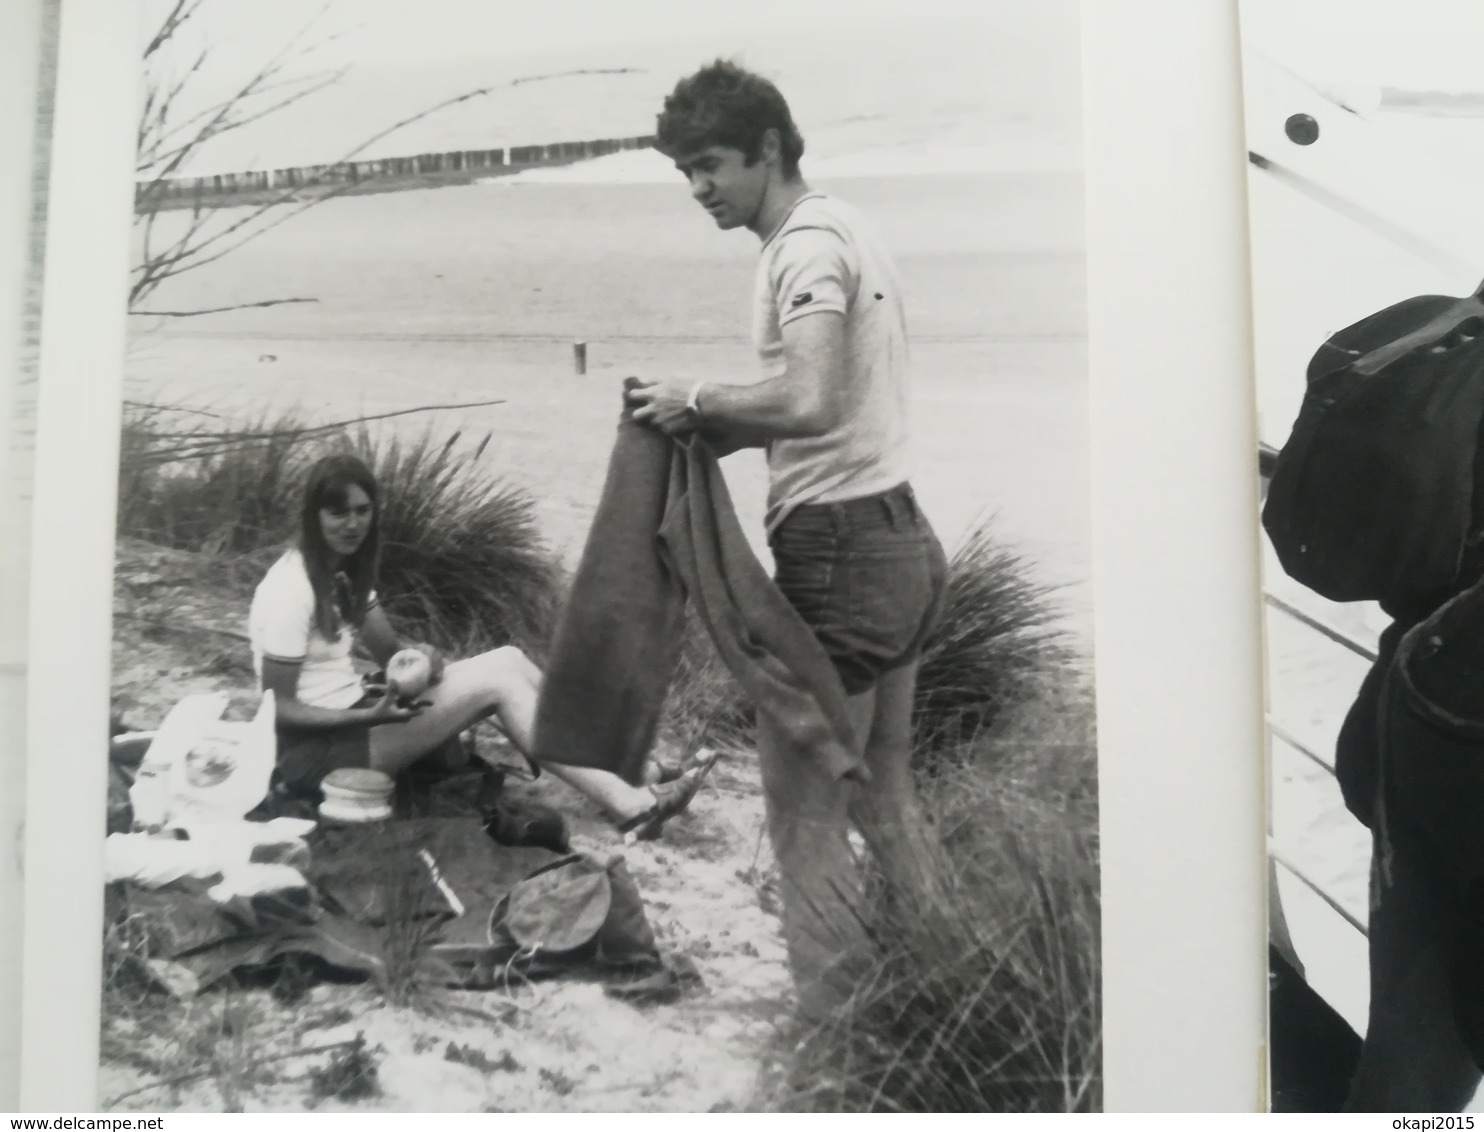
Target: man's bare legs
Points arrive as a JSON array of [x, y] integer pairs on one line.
[[809, 817], [808, 826], [887, 810]]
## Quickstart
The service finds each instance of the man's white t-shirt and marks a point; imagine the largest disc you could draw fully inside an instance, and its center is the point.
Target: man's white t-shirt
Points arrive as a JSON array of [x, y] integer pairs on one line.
[[281, 626], [825, 256]]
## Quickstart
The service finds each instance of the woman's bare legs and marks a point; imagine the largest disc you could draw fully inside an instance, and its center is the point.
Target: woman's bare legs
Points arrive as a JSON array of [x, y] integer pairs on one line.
[[502, 683]]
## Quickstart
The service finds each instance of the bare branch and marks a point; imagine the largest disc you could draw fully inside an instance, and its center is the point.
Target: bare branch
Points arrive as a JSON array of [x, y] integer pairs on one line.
[[153, 408], [156, 268], [155, 126], [220, 310], [220, 114], [311, 84], [198, 259], [559, 75], [197, 445], [292, 51], [179, 15], [166, 145]]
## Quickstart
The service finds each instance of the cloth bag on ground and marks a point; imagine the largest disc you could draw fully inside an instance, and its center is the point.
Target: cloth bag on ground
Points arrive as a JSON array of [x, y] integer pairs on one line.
[[459, 876], [573, 909]]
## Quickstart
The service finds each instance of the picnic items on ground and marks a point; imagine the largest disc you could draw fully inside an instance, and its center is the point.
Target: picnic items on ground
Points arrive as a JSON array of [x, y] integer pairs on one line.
[[558, 908], [245, 896], [245, 859], [202, 769], [211, 850], [356, 794], [487, 912]]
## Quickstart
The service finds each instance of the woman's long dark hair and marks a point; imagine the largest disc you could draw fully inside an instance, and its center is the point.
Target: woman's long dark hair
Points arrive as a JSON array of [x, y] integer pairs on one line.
[[341, 589]]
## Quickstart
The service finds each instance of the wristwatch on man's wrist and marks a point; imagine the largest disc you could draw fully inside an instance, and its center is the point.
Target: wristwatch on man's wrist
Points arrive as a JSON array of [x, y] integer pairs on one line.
[[693, 405]]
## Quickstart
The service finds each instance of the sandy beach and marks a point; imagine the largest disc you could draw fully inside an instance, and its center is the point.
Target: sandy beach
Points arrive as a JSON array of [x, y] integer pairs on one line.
[[476, 293]]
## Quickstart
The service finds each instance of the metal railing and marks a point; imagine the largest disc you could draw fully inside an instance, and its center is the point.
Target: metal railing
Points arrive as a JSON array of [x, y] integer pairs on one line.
[[1267, 457]]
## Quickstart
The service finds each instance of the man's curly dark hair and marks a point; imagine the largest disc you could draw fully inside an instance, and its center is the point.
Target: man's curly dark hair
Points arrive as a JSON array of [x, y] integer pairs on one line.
[[725, 104]]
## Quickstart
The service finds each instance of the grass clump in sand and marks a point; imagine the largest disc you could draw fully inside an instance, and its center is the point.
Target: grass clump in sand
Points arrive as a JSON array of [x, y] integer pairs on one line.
[[999, 641], [463, 563], [990, 1002], [351, 1075], [987, 999], [462, 558], [193, 481]]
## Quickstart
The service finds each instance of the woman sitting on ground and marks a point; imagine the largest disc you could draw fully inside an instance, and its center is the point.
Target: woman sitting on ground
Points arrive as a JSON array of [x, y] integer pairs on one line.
[[321, 595]]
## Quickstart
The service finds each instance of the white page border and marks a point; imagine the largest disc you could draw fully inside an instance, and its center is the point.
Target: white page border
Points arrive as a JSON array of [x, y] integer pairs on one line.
[[1175, 557], [22, 31], [82, 351]]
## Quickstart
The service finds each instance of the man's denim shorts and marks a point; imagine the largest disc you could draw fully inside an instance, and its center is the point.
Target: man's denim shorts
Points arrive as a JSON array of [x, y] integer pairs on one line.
[[867, 575]]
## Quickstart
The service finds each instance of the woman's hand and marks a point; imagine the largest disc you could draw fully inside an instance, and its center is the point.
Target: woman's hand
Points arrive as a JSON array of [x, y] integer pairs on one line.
[[389, 710]]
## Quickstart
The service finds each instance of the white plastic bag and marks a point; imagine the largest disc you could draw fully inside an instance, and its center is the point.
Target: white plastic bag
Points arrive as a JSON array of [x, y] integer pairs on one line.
[[201, 769], [222, 849], [154, 861]]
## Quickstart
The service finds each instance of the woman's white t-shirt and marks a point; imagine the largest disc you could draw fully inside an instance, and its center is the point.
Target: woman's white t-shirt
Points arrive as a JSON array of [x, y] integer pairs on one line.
[[281, 626]]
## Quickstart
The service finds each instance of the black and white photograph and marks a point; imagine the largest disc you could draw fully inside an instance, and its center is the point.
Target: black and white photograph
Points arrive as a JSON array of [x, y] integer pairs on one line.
[[602, 612], [1365, 129]]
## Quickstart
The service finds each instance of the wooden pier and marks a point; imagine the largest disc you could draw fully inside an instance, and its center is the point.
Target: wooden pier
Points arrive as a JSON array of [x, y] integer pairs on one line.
[[373, 174]]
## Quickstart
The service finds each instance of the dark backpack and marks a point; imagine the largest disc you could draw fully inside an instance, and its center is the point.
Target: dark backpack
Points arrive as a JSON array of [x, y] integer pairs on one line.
[[1374, 497]]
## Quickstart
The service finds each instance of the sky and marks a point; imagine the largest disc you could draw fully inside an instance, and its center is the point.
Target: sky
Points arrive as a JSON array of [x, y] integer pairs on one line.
[[421, 31], [992, 73], [1413, 43], [406, 54]]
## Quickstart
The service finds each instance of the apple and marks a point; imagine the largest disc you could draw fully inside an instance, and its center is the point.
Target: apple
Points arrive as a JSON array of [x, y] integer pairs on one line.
[[409, 673]]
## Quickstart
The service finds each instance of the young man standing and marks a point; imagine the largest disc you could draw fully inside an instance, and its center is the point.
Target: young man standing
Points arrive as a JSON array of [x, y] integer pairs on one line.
[[853, 552]]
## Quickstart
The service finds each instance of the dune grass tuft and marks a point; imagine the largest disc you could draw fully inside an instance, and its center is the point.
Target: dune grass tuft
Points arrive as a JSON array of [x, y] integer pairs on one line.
[[999, 639], [463, 563], [991, 1002]]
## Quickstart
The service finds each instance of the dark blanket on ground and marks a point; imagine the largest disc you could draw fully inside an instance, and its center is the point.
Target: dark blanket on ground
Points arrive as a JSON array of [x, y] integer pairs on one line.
[[373, 897], [665, 530]]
